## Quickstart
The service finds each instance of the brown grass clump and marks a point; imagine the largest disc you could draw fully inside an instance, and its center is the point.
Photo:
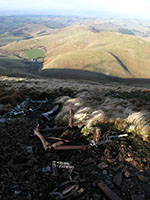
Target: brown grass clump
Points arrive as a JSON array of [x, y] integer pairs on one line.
[[10, 97], [92, 103]]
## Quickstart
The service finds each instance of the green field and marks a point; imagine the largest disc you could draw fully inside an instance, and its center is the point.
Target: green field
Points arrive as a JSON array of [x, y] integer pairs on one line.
[[34, 53]]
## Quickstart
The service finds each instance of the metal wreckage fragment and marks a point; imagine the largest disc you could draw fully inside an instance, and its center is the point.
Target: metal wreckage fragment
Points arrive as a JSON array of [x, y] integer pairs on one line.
[[68, 189], [56, 165], [71, 189]]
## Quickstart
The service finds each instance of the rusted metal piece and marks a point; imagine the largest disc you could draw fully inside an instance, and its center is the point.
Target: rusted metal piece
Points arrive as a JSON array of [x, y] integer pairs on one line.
[[57, 138], [70, 116], [97, 135], [54, 129], [76, 147], [47, 145], [56, 144], [38, 134], [107, 191]]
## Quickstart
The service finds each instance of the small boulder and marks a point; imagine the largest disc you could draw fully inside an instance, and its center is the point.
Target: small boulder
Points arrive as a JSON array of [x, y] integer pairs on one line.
[[118, 179]]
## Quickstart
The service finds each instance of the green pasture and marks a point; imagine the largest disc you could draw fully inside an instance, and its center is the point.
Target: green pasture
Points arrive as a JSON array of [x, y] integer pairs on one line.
[[34, 53]]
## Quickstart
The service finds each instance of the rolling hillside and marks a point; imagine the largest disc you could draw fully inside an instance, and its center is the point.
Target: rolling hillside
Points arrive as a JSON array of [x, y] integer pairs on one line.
[[79, 47]]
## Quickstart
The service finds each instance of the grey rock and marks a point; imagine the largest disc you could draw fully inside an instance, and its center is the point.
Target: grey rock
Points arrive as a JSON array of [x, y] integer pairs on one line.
[[146, 189], [29, 197], [137, 197], [97, 196], [104, 172], [102, 165], [129, 159], [29, 149], [109, 183], [143, 178], [127, 174], [118, 179], [46, 169], [17, 192]]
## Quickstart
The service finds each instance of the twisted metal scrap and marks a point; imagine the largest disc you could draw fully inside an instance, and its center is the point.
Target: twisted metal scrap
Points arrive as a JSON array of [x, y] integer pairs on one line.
[[108, 192], [58, 145], [40, 136]]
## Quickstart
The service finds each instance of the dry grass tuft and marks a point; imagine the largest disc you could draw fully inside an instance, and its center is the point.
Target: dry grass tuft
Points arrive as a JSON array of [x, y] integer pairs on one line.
[[92, 103]]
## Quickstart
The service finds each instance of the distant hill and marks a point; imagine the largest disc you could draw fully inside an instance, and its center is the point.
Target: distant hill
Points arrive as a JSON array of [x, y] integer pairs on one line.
[[80, 47]]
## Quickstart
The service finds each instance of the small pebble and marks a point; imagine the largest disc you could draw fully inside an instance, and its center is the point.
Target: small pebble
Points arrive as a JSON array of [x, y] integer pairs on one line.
[[143, 178], [104, 172], [29, 197], [118, 179], [17, 192], [97, 196], [46, 169], [30, 162], [110, 184], [137, 197], [135, 163], [127, 174], [129, 159], [102, 165], [29, 149]]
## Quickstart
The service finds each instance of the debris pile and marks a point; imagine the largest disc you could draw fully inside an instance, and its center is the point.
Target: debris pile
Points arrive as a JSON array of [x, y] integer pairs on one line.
[[42, 161]]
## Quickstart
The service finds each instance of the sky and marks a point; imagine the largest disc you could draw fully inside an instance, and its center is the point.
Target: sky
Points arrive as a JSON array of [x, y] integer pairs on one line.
[[139, 8]]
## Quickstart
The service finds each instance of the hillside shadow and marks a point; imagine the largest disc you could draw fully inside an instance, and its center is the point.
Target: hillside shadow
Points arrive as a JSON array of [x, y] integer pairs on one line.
[[73, 74], [26, 68], [91, 76], [17, 67]]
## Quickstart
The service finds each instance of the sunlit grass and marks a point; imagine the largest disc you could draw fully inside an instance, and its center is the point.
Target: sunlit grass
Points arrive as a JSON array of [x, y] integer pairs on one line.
[[76, 47]]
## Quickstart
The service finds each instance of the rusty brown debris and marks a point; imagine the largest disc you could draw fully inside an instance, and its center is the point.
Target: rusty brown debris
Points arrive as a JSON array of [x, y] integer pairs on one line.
[[107, 191], [97, 135], [70, 116], [58, 145], [75, 147], [40, 136], [57, 138]]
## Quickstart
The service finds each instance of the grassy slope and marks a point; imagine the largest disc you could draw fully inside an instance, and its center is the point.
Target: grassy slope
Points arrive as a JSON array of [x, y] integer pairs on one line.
[[8, 38], [35, 30], [29, 30], [77, 47]]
